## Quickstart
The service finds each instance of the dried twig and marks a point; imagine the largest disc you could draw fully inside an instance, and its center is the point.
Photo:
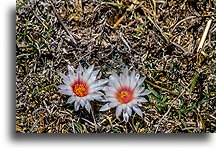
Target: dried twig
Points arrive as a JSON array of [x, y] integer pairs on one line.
[[187, 18], [155, 6], [33, 126], [46, 107], [182, 48], [159, 122], [63, 25], [159, 29], [119, 21], [83, 56], [164, 89], [39, 20], [124, 41], [92, 112], [204, 35]]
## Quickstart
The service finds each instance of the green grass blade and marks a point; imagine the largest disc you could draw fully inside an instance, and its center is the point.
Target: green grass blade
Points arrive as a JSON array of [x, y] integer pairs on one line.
[[22, 4], [193, 82]]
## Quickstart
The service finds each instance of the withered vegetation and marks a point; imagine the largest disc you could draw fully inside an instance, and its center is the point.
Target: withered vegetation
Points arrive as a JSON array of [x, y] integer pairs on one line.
[[169, 42]]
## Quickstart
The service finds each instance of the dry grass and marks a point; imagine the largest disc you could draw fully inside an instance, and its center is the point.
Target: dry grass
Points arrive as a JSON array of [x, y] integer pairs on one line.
[[157, 38]]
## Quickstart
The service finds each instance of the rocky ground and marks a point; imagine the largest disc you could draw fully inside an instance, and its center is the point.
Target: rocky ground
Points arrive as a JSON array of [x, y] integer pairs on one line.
[[163, 40]]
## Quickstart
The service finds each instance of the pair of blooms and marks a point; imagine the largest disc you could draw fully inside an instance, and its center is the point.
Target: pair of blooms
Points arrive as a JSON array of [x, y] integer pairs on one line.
[[123, 91]]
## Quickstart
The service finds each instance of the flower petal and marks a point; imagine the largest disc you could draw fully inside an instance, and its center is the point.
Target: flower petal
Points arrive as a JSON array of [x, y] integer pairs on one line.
[[141, 99], [93, 97], [113, 81], [129, 110], [71, 100], [87, 106], [137, 110], [140, 81], [92, 78], [95, 73], [112, 90], [111, 99], [66, 92], [102, 82], [132, 74], [122, 80], [139, 90], [97, 97], [125, 116], [105, 107], [137, 76], [146, 92], [114, 76], [64, 87], [125, 71], [63, 76], [114, 104], [110, 94], [79, 70], [77, 104], [123, 106], [118, 110], [66, 80], [88, 72], [133, 84], [127, 81], [82, 102], [70, 71], [98, 88]]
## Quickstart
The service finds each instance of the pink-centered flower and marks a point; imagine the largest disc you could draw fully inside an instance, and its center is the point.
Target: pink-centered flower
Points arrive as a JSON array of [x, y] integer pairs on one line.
[[82, 86], [124, 93]]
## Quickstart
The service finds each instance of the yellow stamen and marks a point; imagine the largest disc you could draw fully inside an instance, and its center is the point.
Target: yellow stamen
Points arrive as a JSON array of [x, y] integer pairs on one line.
[[80, 90], [125, 96]]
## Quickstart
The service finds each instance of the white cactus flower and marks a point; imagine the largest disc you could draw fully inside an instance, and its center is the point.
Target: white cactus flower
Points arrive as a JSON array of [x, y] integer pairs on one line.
[[124, 93], [82, 86]]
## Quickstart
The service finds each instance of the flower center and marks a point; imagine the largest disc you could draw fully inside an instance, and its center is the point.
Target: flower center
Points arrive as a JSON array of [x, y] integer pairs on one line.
[[125, 96], [80, 90]]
